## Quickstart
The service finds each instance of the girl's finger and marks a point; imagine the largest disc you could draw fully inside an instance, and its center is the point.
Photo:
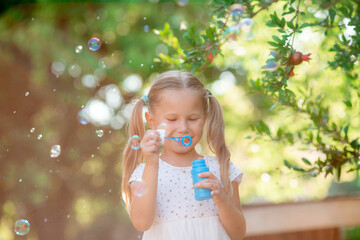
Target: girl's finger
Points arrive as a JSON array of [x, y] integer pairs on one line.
[[206, 185], [208, 175], [215, 192]]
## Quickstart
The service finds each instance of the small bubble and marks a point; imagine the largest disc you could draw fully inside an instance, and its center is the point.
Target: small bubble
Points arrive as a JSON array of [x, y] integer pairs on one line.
[[99, 133], [45, 220], [27, 94], [20, 180], [144, 18], [130, 61], [94, 44], [92, 155], [182, 3], [110, 190], [78, 49], [50, 171], [14, 111], [135, 142], [68, 216], [141, 65], [139, 187], [22, 227], [32, 130], [98, 17], [54, 90], [83, 116], [146, 28], [55, 151], [39, 136]]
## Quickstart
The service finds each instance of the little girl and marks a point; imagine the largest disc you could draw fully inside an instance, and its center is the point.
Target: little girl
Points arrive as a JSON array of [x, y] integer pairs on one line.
[[168, 209]]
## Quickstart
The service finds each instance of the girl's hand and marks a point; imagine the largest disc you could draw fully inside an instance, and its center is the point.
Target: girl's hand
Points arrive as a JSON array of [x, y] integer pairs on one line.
[[212, 182], [150, 146]]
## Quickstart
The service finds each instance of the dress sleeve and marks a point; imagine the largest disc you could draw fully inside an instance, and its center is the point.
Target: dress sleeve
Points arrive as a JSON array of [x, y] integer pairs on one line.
[[235, 174], [137, 173]]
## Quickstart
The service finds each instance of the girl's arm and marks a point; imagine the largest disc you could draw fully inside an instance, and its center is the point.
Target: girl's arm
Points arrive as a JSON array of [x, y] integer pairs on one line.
[[143, 208], [229, 208], [231, 215]]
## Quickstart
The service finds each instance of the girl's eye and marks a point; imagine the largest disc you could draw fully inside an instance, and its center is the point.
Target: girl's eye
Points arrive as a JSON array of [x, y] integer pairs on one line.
[[171, 120], [193, 119]]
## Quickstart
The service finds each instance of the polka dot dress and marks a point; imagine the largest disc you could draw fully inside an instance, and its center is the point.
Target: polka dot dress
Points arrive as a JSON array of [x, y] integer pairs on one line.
[[178, 214]]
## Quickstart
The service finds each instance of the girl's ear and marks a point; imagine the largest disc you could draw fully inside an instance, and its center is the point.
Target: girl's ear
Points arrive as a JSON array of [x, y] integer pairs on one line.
[[150, 120]]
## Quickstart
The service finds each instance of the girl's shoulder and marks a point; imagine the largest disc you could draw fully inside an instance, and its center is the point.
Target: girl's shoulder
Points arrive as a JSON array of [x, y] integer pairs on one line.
[[214, 165]]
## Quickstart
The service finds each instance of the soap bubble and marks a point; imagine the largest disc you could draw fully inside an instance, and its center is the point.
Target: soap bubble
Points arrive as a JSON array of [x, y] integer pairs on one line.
[[146, 28], [182, 3], [247, 29], [232, 32], [32, 130], [271, 65], [139, 187], [39, 136], [78, 49], [22, 227], [236, 11], [55, 151], [83, 116], [99, 133], [94, 44], [135, 142], [27, 94]]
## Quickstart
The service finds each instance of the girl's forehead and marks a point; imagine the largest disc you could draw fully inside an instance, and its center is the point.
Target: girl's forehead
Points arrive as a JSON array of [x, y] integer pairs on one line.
[[183, 101]]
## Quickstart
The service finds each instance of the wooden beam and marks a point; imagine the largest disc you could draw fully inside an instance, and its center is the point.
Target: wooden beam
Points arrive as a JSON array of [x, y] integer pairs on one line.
[[300, 216]]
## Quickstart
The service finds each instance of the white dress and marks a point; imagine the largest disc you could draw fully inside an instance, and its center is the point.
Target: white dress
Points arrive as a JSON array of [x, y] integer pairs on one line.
[[178, 214]]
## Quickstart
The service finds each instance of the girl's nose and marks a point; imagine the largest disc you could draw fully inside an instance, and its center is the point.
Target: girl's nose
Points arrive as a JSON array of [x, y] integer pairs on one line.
[[183, 126]]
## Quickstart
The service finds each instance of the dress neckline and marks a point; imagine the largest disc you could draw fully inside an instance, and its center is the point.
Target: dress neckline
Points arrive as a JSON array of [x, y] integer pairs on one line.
[[177, 167]]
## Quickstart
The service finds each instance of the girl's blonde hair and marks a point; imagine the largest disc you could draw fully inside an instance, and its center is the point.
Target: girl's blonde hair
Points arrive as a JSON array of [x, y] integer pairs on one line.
[[215, 126]]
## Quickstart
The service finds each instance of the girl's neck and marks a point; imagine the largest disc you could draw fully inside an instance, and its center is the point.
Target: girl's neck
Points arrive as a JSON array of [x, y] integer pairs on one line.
[[180, 159]]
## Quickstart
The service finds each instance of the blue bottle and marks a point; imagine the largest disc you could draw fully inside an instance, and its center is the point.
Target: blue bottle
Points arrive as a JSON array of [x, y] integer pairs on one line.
[[199, 166]]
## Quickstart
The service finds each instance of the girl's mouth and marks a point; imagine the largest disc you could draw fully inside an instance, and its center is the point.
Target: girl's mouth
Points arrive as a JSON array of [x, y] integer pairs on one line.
[[186, 140]]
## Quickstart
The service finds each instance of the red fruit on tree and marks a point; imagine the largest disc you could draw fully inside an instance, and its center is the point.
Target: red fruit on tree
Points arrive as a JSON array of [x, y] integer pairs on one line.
[[297, 58]]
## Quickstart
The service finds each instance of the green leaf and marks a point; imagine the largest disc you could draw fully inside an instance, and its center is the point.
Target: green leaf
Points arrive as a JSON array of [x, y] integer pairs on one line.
[[332, 14], [276, 39], [290, 166], [348, 103], [355, 144], [273, 44], [346, 129], [307, 162]]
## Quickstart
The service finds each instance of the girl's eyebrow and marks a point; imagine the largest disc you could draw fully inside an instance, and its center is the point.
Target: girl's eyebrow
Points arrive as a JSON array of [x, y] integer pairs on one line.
[[174, 114]]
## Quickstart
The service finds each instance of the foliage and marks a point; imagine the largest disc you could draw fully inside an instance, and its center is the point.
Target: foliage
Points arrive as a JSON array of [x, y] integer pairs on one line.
[[337, 139]]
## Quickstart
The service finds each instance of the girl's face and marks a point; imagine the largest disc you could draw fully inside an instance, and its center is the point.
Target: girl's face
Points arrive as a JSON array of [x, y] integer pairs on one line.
[[183, 114]]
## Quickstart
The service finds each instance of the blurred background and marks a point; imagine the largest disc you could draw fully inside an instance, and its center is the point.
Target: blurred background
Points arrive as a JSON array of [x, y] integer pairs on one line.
[[64, 106]]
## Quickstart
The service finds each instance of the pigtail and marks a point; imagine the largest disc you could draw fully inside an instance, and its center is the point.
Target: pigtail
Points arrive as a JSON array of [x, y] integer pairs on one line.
[[131, 158], [216, 140]]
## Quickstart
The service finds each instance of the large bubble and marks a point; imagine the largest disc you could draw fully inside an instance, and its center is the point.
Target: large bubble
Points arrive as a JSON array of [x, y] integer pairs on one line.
[[22, 227], [94, 44], [247, 29], [55, 151], [135, 142]]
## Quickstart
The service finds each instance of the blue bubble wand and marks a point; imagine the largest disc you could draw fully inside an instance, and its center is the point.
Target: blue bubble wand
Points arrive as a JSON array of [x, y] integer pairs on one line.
[[177, 139]]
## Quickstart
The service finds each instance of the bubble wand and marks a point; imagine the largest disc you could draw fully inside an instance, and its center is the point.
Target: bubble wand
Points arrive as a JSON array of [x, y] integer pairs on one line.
[[177, 139]]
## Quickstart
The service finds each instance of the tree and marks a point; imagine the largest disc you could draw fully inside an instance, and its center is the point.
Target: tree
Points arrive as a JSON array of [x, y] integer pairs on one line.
[[336, 138]]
